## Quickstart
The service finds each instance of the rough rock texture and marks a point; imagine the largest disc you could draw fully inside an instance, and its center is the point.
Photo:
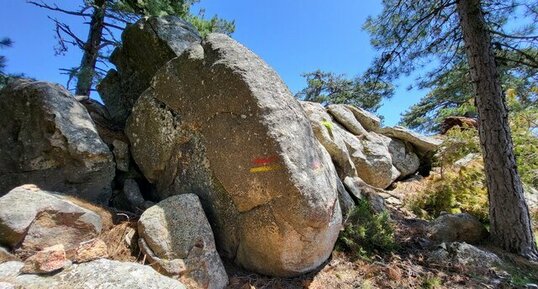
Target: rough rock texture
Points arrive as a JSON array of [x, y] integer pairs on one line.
[[332, 136], [463, 254], [165, 37], [423, 144], [132, 193], [48, 260], [91, 250], [6, 256], [373, 160], [177, 228], [47, 138], [403, 157], [369, 121], [346, 117], [121, 155], [457, 228], [38, 219], [358, 152], [219, 114], [99, 274]]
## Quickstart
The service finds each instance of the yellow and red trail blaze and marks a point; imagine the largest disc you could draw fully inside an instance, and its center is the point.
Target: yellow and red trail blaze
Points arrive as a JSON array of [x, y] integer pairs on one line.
[[264, 164]]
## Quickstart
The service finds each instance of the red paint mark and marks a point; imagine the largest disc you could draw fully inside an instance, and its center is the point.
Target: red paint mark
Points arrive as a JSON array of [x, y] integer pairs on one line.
[[264, 161]]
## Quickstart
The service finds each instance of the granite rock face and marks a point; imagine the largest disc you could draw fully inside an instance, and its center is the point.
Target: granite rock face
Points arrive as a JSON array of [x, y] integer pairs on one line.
[[48, 139], [146, 46], [220, 123], [99, 274]]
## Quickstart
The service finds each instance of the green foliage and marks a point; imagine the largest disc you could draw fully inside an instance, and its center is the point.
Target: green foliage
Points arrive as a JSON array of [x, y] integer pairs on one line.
[[464, 189], [366, 232], [431, 282], [456, 191], [4, 42], [451, 94], [329, 88], [425, 36]]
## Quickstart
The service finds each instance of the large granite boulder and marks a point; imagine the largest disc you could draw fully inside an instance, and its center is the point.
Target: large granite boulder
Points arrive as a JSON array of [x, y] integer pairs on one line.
[[47, 138], [220, 123], [99, 274], [176, 230], [146, 46], [34, 219]]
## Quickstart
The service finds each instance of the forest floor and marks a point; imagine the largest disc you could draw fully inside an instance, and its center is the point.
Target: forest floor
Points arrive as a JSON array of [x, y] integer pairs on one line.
[[406, 267]]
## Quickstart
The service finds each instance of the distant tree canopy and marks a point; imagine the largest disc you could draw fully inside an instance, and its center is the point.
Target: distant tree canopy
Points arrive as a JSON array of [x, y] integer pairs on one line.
[[107, 18], [430, 40], [330, 88], [451, 94]]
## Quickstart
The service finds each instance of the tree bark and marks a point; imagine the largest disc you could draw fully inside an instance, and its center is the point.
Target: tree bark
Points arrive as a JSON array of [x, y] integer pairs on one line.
[[86, 71], [508, 212]]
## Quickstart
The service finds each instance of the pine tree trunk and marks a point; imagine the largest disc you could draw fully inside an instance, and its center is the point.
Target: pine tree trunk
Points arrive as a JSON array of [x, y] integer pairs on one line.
[[508, 212], [91, 50]]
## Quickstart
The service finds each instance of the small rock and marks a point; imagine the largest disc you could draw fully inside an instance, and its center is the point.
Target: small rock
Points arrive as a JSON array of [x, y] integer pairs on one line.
[[457, 228], [368, 120], [40, 219], [458, 254], [347, 119], [49, 260], [177, 229], [91, 250], [121, 155], [6, 256], [131, 190]]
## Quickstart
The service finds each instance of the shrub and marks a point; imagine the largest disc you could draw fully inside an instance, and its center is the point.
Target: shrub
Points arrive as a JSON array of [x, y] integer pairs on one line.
[[456, 191], [366, 232]]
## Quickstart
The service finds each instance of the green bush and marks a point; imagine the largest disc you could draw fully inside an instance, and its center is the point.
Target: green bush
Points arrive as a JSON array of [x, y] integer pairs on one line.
[[456, 191], [366, 232]]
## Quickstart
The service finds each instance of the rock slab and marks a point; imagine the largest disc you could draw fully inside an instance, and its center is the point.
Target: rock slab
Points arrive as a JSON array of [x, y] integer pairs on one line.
[[99, 274]]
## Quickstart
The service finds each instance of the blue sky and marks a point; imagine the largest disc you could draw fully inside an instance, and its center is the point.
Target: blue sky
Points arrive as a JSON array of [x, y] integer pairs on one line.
[[294, 37]]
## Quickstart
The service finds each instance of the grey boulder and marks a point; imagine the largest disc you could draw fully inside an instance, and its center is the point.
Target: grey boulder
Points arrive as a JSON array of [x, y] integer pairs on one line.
[[35, 219], [146, 46], [47, 138], [99, 274], [218, 114], [457, 228], [176, 230]]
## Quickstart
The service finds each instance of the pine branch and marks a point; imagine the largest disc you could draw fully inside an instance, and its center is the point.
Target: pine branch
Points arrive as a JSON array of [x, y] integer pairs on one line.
[[42, 4]]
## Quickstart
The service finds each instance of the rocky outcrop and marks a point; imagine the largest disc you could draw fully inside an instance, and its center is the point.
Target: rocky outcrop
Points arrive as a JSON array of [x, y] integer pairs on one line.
[[33, 219], [218, 122], [146, 46], [96, 274], [457, 228], [360, 147], [176, 231], [422, 144], [47, 138]]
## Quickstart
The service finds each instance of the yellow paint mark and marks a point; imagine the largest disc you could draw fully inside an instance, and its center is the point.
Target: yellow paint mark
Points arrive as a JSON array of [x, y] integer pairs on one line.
[[263, 169]]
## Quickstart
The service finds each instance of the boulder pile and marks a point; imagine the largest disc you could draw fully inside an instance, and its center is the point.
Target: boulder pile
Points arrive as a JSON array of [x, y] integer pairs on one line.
[[203, 142]]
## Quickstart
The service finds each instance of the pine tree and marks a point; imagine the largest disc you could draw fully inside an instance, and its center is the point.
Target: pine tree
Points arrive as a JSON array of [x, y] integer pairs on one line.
[[413, 34]]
